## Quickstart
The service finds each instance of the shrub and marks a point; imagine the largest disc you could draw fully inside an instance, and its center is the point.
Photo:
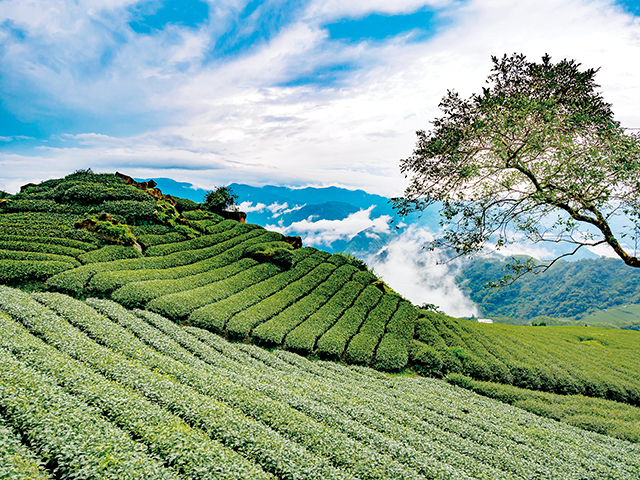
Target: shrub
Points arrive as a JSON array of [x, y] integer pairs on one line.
[[15, 272], [303, 338], [216, 256], [194, 215], [425, 359], [151, 240], [250, 290], [138, 294], [188, 232], [115, 232], [93, 193], [186, 205], [273, 331], [354, 261], [365, 277], [225, 231], [362, 346], [392, 354], [241, 325], [275, 252], [37, 257], [333, 343], [65, 242], [109, 253], [41, 247], [131, 211]]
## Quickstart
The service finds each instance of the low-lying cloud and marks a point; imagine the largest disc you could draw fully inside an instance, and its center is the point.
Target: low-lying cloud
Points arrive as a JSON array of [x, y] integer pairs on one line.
[[419, 275], [325, 232]]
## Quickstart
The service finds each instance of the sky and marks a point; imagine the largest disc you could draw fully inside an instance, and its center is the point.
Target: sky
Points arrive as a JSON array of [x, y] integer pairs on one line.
[[296, 93]]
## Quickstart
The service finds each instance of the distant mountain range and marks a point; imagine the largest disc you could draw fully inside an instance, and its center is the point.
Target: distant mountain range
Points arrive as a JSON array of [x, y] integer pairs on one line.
[[332, 218]]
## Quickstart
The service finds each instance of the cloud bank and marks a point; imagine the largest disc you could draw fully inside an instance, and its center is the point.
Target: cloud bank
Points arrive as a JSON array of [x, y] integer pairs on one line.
[[325, 232], [420, 275]]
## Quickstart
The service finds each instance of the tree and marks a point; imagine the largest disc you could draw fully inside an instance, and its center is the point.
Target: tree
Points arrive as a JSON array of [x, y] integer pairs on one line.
[[536, 156], [219, 199]]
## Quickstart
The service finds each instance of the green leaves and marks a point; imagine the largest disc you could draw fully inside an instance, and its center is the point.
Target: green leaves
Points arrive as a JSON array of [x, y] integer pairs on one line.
[[537, 141]]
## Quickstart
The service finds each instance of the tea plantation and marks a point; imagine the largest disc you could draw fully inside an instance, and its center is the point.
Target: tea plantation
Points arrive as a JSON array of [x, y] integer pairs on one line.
[[115, 320], [92, 390]]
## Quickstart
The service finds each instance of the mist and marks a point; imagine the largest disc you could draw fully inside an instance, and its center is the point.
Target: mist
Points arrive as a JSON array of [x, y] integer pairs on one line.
[[419, 275]]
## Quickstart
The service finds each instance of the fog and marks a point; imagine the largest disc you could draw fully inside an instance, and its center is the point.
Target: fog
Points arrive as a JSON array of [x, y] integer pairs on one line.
[[419, 275]]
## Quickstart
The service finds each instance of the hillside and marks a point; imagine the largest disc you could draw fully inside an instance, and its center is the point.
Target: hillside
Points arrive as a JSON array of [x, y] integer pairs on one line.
[[570, 290], [86, 241], [233, 278], [92, 390]]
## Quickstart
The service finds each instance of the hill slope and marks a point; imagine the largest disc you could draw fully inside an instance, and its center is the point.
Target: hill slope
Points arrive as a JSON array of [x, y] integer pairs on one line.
[[232, 278], [106, 236], [96, 391], [567, 290]]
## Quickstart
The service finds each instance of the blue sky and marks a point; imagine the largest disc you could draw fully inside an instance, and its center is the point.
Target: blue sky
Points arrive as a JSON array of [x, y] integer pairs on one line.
[[303, 92]]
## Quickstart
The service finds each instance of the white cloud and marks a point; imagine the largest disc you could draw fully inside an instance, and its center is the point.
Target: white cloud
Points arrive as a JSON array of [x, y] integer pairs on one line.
[[249, 207], [276, 208], [359, 8], [325, 232], [417, 274]]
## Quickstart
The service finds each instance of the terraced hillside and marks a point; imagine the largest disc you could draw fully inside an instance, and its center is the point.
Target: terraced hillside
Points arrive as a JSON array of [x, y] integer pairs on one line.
[[109, 237], [195, 267], [597, 362], [92, 390]]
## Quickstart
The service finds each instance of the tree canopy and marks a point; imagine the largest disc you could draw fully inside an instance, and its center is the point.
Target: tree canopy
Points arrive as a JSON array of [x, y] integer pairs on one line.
[[536, 156], [220, 198]]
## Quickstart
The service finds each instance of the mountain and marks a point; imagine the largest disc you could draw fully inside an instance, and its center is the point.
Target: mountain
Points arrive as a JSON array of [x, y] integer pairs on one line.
[[308, 212], [569, 290]]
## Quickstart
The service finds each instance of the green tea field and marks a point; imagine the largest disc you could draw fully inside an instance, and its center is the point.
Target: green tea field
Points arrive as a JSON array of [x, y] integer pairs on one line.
[[143, 335], [92, 390]]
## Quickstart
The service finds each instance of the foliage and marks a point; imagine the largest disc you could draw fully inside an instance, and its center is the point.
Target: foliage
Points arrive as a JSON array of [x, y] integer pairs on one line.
[[149, 240], [188, 450], [17, 272], [354, 261], [304, 337], [334, 342], [217, 304], [242, 323], [603, 416], [114, 232], [363, 345], [569, 290], [273, 331], [138, 294], [531, 357], [220, 199], [279, 253], [53, 248], [109, 253], [188, 232], [536, 156], [17, 461], [186, 205], [36, 256], [430, 307], [224, 231], [255, 414], [216, 256], [166, 212]]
